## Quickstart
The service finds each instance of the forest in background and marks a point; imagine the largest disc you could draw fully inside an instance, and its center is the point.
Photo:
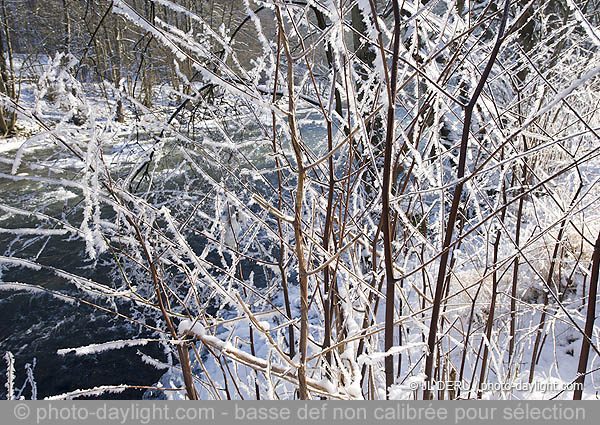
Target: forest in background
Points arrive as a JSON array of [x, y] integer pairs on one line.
[[309, 199]]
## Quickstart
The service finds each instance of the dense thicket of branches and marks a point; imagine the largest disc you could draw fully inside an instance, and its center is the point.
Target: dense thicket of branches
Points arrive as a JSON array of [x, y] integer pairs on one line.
[[304, 199]]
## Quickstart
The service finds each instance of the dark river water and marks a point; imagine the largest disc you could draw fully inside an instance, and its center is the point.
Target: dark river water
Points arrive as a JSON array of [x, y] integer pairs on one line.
[[33, 326]]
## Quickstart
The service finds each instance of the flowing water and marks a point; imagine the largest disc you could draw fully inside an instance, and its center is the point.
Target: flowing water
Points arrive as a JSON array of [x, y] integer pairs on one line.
[[33, 326]]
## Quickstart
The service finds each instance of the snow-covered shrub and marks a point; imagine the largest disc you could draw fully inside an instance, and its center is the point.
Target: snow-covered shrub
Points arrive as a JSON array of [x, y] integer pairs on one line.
[[250, 235]]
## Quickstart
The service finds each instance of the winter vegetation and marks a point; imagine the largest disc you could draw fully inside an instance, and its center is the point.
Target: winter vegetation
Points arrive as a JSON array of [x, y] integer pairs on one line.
[[306, 199]]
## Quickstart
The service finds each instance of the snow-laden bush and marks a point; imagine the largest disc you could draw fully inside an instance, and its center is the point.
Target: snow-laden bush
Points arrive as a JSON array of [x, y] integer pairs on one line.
[[447, 157]]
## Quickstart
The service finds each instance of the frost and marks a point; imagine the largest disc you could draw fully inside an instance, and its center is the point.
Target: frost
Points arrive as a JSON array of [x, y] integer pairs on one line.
[[591, 31], [90, 392], [373, 358], [99, 348], [157, 181], [10, 375], [17, 286]]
